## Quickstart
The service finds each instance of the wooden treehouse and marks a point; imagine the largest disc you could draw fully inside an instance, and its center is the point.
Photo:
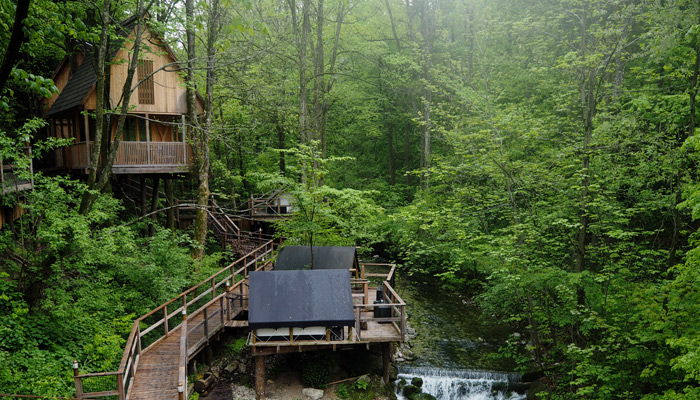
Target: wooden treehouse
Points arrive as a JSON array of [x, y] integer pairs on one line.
[[154, 140], [270, 206], [342, 314]]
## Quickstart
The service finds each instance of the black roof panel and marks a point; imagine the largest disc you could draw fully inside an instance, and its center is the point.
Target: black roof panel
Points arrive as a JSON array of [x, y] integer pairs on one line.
[[325, 257], [280, 299]]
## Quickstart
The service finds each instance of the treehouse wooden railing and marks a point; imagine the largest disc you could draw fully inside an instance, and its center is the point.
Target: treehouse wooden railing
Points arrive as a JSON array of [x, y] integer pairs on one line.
[[262, 206], [392, 300], [153, 327], [9, 181], [134, 153]]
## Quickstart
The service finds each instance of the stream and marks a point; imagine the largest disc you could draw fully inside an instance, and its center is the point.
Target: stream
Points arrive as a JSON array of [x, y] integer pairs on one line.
[[454, 344]]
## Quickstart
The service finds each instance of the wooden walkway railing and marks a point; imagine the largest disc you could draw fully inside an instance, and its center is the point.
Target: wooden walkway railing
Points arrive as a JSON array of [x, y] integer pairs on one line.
[[174, 322]]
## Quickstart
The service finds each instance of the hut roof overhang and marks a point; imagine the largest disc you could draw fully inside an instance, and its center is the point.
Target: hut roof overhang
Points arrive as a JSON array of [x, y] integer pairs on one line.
[[280, 299], [325, 257]]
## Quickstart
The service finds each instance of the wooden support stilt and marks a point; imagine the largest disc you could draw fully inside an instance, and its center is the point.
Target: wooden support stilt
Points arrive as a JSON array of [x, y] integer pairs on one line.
[[155, 182], [260, 377], [385, 362], [171, 211]]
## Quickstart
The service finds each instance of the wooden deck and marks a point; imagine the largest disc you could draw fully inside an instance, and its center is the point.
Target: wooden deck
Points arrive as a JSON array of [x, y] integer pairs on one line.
[[134, 157], [163, 341], [157, 373]]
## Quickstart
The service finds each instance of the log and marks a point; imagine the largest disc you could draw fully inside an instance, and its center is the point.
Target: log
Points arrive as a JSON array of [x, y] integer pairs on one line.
[[205, 383]]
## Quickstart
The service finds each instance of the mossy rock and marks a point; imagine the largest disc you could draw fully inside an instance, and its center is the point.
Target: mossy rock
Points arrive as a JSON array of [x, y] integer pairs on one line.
[[401, 384], [417, 382], [410, 390], [422, 396]]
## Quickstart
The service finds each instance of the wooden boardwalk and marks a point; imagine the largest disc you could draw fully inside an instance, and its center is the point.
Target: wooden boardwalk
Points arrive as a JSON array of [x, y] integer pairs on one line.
[[157, 373], [163, 341]]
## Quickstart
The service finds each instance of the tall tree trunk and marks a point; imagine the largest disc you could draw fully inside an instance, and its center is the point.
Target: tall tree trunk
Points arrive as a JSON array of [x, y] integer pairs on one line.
[[677, 197], [100, 173], [427, 30], [280, 144], [393, 25], [99, 106], [387, 124], [197, 136], [17, 37]]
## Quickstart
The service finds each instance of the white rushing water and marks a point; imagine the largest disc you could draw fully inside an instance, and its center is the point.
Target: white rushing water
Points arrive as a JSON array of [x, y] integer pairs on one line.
[[447, 384]]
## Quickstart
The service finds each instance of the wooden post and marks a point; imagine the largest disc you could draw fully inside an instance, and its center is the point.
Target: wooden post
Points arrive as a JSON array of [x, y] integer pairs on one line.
[[87, 140], [120, 387], [78, 381], [213, 288], [260, 377], [230, 303], [165, 319], [170, 214], [184, 128], [155, 183], [385, 362], [144, 197], [206, 325]]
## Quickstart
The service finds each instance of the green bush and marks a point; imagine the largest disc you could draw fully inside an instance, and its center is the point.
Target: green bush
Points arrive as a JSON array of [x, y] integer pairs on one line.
[[316, 374]]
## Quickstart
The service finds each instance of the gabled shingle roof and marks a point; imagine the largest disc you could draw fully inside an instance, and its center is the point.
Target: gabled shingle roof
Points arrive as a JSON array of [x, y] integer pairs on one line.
[[77, 88]]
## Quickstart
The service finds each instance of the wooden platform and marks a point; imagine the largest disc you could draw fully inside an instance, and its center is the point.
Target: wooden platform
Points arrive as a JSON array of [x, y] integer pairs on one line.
[[176, 331], [157, 373]]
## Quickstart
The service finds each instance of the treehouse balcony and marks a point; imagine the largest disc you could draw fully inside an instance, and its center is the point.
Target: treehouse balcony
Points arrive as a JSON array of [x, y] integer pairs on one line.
[[10, 180], [133, 157]]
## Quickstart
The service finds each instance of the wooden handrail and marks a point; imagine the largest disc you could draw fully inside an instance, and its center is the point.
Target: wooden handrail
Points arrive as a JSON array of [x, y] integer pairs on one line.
[[182, 366], [132, 349]]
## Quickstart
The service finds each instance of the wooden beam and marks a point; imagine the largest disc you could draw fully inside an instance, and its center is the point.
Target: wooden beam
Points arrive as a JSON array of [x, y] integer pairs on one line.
[[260, 377], [385, 362]]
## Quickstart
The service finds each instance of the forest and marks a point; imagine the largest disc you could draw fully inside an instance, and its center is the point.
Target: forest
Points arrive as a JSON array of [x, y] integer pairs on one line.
[[539, 156]]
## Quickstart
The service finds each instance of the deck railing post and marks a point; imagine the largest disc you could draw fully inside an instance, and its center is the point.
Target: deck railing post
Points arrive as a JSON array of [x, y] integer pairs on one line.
[[213, 288], [165, 319], [206, 324], [78, 381], [357, 322], [138, 338], [403, 323], [120, 387], [228, 309]]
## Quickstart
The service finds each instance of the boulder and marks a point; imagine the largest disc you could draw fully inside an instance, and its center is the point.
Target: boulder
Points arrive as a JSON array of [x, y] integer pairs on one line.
[[410, 390], [314, 394], [422, 396], [417, 382]]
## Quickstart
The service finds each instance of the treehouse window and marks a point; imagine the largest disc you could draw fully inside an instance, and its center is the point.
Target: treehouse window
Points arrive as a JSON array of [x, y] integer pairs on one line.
[[146, 87]]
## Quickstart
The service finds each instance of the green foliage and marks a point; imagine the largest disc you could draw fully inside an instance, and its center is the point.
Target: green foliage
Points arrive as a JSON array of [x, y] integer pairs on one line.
[[316, 373], [323, 215], [236, 348]]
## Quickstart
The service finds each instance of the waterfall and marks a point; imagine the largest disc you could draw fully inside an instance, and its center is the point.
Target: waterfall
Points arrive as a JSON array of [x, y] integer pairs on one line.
[[447, 384]]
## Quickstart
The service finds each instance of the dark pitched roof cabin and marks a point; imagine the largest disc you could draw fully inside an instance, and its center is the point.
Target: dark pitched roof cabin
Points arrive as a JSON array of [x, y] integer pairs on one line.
[[305, 304], [325, 257], [154, 138]]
